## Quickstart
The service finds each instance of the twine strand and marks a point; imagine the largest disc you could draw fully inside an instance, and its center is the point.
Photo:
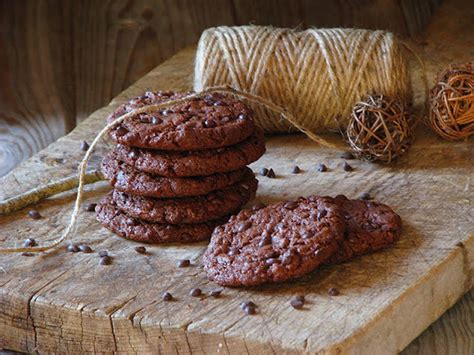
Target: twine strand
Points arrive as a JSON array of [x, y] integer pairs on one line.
[[147, 109], [318, 74]]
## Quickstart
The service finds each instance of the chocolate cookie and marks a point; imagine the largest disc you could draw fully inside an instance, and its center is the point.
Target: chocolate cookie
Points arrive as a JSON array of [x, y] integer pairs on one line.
[[273, 244], [197, 209], [213, 121], [370, 226], [112, 218], [193, 163], [127, 179]]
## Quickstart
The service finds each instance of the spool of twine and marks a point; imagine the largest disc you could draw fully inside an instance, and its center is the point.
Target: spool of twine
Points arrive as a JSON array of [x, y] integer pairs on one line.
[[317, 75]]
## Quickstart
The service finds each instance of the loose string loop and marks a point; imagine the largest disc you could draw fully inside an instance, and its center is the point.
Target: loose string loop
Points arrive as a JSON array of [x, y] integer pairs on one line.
[[84, 178]]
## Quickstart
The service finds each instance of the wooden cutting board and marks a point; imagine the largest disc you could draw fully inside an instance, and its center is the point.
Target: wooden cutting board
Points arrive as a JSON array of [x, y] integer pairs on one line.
[[63, 302]]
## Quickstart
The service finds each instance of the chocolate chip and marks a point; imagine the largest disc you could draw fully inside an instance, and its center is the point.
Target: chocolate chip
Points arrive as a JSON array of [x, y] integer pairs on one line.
[[296, 169], [258, 206], [184, 263], [133, 154], [156, 120], [286, 258], [91, 207], [85, 248], [271, 261], [167, 297], [249, 310], [333, 291], [247, 304], [365, 196], [290, 205], [84, 146], [103, 253], [130, 222], [266, 239], [301, 298], [30, 242], [321, 168], [243, 226], [263, 172], [144, 118], [72, 248], [105, 260], [271, 174], [216, 293], [121, 131], [34, 214], [140, 250], [321, 214], [347, 155], [347, 167], [232, 252], [210, 123], [195, 292], [297, 304]]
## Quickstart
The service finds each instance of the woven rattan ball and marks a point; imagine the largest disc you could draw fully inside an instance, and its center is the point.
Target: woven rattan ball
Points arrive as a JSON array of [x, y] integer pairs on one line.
[[379, 129], [452, 103]]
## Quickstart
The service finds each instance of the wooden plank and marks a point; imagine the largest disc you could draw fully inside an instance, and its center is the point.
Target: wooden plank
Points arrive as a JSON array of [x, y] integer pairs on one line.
[[64, 302], [75, 297], [451, 334], [63, 60]]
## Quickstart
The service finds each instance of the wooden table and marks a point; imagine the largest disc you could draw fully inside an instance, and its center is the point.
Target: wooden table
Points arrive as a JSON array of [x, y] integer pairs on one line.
[[58, 301]]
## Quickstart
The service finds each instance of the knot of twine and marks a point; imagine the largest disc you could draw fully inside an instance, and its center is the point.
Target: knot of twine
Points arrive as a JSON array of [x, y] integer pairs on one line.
[[318, 74]]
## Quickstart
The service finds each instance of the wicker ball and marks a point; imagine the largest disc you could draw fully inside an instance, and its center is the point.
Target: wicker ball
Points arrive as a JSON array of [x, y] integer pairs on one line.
[[452, 103], [379, 129]]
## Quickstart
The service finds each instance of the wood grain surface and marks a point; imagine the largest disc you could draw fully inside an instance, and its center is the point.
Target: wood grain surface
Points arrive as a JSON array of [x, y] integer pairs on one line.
[[61, 60], [58, 301]]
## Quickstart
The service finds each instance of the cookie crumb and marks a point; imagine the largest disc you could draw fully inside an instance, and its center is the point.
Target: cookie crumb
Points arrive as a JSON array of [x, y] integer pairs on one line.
[[347, 167], [347, 156], [297, 303], [167, 296], [195, 292], [321, 168], [34, 214], [184, 263], [140, 250]]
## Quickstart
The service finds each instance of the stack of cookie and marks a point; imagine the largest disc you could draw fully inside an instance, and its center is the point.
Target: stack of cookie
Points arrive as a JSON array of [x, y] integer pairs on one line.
[[291, 239], [180, 171]]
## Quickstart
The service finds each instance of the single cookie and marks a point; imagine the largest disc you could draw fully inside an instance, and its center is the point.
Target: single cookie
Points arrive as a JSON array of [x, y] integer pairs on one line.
[[197, 209], [118, 222], [193, 163], [273, 244], [370, 226], [209, 122], [127, 179]]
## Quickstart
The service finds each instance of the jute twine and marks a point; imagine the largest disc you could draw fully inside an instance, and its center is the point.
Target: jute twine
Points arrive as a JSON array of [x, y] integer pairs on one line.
[[21, 201], [318, 74]]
